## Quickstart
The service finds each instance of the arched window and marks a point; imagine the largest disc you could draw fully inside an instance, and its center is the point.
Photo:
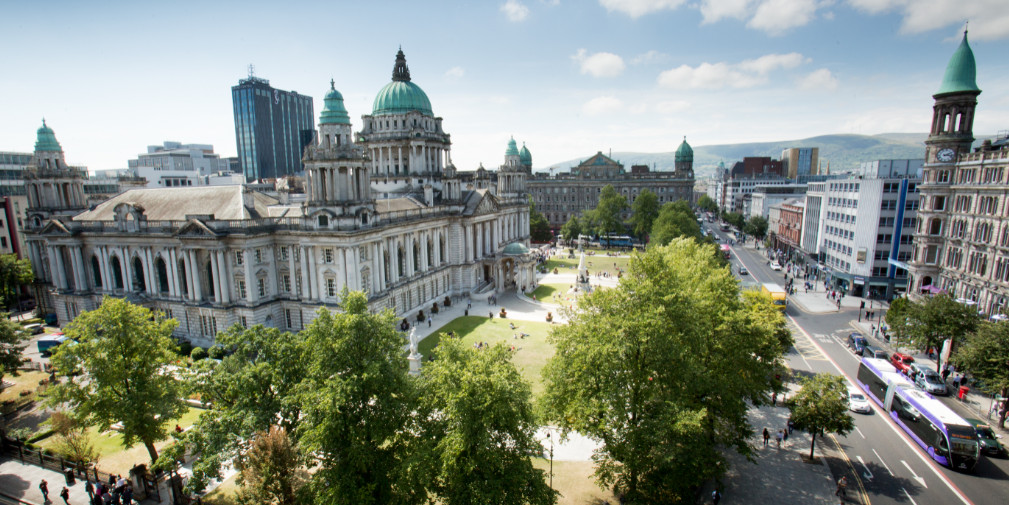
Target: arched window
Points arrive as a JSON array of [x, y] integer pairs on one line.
[[138, 275], [926, 281], [162, 275], [117, 273], [366, 280], [96, 271]]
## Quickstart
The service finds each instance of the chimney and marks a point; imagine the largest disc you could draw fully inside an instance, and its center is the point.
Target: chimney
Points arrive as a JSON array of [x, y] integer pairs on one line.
[[285, 197], [429, 195], [248, 199]]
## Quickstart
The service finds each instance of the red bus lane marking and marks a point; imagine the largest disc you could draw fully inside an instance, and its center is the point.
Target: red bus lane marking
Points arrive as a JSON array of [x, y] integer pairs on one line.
[[914, 447]]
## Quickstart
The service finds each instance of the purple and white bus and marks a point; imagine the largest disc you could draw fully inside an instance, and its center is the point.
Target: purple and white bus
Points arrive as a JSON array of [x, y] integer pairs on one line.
[[879, 378]]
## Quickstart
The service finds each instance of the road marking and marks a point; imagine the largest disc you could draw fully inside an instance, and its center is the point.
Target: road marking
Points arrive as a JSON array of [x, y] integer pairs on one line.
[[883, 462], [865, 496], [867, 474], [900, 433], [919, 479], [860, 433], [908, 496]]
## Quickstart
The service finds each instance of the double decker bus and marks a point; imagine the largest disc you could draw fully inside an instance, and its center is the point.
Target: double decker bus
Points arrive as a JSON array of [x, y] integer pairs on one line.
[[726, 251], [945, 436]]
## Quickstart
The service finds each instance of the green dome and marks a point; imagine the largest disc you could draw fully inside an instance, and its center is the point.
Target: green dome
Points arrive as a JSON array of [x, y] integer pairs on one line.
[[684, 152], [515, 249], [334, 112], [401, 96], [525, 156], [961, 72], [513, 149], [46, 139]]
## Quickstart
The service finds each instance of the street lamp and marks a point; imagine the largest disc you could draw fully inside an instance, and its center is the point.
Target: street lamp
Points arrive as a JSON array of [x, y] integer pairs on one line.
[[551, 459]]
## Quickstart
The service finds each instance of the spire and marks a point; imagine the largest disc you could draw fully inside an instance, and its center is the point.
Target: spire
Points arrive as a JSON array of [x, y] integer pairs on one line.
[[961, 72], [401, 72], [332, 85]]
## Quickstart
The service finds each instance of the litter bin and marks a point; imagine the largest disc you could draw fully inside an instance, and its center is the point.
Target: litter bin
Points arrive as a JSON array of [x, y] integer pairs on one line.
[[963, 392], [69, 474]]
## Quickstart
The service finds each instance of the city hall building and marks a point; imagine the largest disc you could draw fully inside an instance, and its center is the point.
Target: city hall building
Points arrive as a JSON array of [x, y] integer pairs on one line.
[[385, 213]]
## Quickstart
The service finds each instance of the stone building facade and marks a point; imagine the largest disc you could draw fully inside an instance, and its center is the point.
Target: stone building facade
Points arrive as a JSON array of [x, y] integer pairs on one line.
[[211, 257]]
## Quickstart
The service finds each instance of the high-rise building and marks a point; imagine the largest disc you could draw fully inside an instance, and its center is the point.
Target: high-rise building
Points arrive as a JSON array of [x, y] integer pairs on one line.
[[272, 128], [800, 161]]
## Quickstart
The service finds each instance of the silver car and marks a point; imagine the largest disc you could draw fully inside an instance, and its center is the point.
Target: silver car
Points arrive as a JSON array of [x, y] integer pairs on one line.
[[931, 382]]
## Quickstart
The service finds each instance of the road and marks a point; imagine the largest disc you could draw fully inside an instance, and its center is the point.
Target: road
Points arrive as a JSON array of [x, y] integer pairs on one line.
[[883, 465]]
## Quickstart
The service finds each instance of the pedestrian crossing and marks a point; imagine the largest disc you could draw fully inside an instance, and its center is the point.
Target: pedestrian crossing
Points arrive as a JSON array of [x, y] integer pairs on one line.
[[804, 345]]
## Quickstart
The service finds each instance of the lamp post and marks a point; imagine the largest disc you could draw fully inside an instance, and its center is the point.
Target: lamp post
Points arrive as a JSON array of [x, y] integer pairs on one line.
[[551, 459]]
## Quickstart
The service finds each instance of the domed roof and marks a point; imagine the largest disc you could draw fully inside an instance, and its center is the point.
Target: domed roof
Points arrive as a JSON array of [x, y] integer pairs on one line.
[[45, 139], [401, 96], [513, 149], [525, 156], [515, 249], [721, 164], [334, 112], [961, 72], [684, 152]]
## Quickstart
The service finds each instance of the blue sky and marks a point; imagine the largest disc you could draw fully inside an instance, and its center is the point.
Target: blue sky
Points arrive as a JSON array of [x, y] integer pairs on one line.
[[567, 77]]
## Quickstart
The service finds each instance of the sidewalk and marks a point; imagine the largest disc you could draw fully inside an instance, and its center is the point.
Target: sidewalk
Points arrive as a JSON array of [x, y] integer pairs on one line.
[[21, 481]]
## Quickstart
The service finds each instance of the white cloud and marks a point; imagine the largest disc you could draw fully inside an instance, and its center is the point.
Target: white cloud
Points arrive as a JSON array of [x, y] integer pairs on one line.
[[638, 8], [515, 10], [746, 74], [602, 105], [818, 80], [989, 18], [828, 15], [455, 72], [778, 16], [671, 107], [649, 57], [715, 10], [599, 64], [552, 3]]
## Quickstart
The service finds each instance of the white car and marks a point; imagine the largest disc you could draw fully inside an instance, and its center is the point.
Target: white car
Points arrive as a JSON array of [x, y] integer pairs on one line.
[[775, 266], [857, 402]]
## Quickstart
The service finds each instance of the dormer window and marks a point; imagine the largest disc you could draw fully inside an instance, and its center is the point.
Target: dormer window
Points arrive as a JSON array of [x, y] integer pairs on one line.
[[324, 221]]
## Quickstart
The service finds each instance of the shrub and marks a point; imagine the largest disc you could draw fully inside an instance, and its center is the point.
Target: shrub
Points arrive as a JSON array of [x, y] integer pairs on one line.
[[185, 348], [216, 352], [35, 320], [41, 435], [434, 309], [198, 353], [420, 316]]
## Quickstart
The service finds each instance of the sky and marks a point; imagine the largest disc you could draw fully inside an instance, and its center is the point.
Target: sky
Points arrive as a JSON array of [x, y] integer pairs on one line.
[[568, 78]]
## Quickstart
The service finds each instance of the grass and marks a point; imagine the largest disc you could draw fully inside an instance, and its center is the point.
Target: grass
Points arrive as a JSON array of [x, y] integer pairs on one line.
[[593, 263], [118, 460], [24, 381], [533, 351], [223, 494], [553, 293], [575, 481]]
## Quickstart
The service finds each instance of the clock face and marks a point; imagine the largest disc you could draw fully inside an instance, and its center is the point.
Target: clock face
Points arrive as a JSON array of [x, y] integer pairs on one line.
[[945, 155]]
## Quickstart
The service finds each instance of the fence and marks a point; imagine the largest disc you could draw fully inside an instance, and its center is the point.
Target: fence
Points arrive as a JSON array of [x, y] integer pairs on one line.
[[38, 367]]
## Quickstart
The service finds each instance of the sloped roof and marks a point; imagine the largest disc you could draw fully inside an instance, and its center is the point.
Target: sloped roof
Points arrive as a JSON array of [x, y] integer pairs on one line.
[[174, 204]]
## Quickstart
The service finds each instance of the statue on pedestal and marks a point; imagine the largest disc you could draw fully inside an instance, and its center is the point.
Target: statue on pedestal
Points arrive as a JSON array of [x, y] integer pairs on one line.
[[414, 358]]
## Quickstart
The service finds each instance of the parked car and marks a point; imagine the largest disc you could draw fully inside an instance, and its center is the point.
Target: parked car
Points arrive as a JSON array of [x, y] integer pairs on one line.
[[775, 266], [35, 329], [857, 402], [875, 352], [857, 342], [930, 382], [902, 362], [990, 444]]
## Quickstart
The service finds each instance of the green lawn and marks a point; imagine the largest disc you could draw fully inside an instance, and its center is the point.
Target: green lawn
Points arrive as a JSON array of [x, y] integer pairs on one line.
[[576, 482], [531, 354], [593, 263], [553, 293], [23, 381]]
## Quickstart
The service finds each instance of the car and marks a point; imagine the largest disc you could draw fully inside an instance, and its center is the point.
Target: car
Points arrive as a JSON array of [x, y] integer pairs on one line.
[[857, 402], [716, 237], [856, 342], [775, 266], [743, 271], [875, 352], [990, 444], [902, 362], [930, 382], [35, 328]]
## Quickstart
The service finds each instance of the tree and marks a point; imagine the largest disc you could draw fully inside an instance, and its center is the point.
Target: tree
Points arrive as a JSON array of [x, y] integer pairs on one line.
[[734, 218], [605, 218], [661, 371], [821, 406], [675, 220], [646, 210], [938, 318], [756, 226], [706, 203], [124, 351], [271, 470], [480, 426], [539, 228], [14, 273], [72, 439], [985, 353], [897, 317], [572, 230], [11, 350]]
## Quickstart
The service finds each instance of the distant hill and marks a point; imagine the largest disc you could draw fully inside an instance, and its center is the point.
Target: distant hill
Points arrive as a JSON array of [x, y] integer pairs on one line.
[[844, 151]]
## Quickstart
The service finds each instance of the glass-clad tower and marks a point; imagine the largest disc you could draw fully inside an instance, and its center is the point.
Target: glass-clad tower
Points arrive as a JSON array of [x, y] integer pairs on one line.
[[272, 128]]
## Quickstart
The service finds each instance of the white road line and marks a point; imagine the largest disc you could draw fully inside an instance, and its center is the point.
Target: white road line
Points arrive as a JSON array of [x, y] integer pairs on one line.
[[860, 433], [883, 462], [867, 474], [919, 479], [889, 422], [908, 495]]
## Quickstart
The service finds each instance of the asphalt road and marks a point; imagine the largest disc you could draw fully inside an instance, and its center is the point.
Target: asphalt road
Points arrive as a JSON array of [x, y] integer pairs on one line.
[[883, 465]]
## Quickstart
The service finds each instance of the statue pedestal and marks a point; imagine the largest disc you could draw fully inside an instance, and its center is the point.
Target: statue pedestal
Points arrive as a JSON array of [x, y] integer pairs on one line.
[[415, 363]]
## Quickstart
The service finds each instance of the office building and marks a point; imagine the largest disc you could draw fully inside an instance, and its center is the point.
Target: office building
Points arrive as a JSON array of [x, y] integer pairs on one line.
[[799, 162], [174, 164], [272, 128], [762, 197]]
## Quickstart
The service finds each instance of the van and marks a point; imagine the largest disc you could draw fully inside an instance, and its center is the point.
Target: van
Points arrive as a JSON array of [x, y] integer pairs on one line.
[[49, 343], [875, 352]]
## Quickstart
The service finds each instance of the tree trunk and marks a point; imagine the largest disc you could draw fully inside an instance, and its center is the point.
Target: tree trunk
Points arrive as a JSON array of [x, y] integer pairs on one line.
[[812, 445], [152, 451]]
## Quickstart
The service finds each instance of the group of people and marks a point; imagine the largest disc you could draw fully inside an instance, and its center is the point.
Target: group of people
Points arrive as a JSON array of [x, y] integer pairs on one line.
[[781, 435], [118, 491]]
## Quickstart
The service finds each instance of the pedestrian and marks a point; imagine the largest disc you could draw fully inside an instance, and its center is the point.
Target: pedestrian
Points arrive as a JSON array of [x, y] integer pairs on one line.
[[490, 314], [777, 436], [65, 494], [767, 436], [791, 424], [774, 399], [945, 372], [956, 383], [429, 320], [90, 488], [784, 434], [715, 497], [842, 486], [44, 487], [128, 492]]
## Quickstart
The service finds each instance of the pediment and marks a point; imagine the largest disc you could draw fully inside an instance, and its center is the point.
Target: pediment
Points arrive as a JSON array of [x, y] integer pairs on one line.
[[195, 229], [488, 205], [55, 228]]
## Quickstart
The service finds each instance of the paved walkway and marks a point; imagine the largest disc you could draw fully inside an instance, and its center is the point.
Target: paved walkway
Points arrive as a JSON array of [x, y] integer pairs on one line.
[[21, 480]]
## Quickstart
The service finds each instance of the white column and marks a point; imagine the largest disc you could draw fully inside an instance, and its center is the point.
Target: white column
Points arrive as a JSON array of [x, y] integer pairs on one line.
[[173, 270], [292, 267], [101, 268], [376, 286], [225, 278], [251, 286], [437, 246], [313, 279], [197, 287], [399, 158], [410, 241], [478, 253], [306, 285], [215, 279], [152, 278], [56, 261], [75, 268]]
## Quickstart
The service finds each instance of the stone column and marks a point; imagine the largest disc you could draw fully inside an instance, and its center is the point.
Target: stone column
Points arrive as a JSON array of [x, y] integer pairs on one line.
[[437, 247], [226, 279], [376, 286], [75, 268], [293, 269], [313, 279], [61, 273], [215, 274], [197, 284], [173, 268], [354, 269], [251, 286], [478, 251], [380, 265], [399, 158]]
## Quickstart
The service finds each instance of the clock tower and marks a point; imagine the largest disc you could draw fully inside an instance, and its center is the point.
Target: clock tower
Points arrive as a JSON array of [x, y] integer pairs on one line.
[[953, 113]]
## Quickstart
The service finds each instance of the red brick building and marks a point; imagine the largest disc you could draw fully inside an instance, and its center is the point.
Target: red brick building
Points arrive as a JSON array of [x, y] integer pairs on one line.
[[789, 232]]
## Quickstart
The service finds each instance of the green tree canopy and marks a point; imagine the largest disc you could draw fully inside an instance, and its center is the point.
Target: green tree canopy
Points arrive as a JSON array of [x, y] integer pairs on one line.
[[124, 352], [897, 318], [572, 229], [14, 273], [480, 425], [606, 218], [646, 210], [735, 219], [937, 318], [822, 406], [675, 220], [662, 369], [985, 353], [539, 228], [756, 226], [11, 349], [706, 203], [271, 470]]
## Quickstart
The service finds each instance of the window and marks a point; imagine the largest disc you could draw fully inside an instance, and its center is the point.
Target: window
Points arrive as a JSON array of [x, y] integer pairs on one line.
[[880, 255], [884, 238], [284, 253], [323, 221], [911, 205], [931, 255], [327, 255], [241, 289], [287, 283], [209, 324], [888, 205], [886, 221], [239, 258], [331, 287], [938, 203], [245, 322], [258, 253], [879, 271], [287, 316], [261, 284]]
